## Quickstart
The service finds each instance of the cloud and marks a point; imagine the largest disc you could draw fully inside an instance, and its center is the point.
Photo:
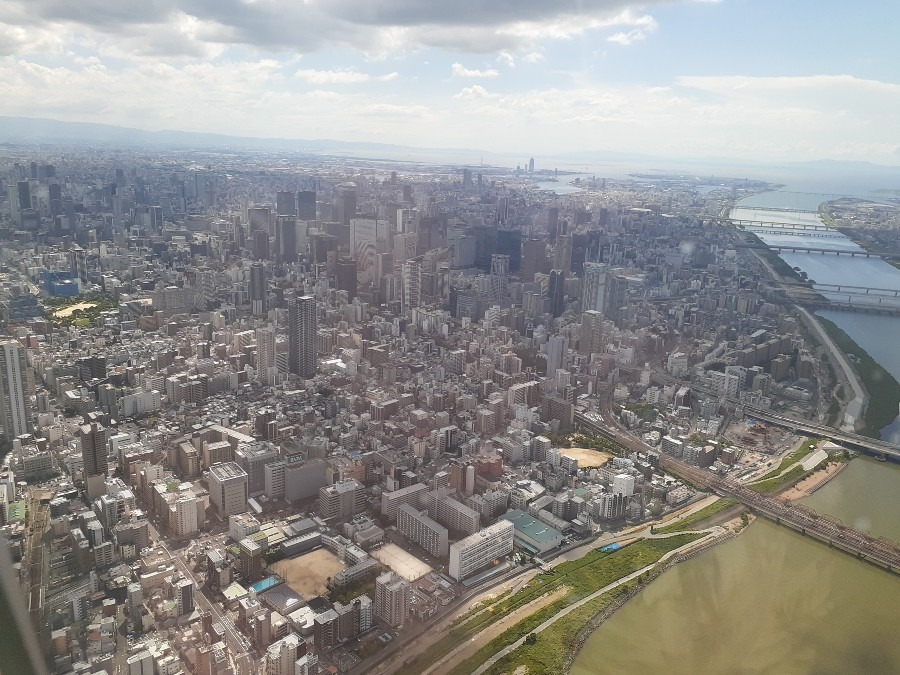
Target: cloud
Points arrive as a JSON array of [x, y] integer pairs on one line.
[[377, 29], [644, 26], [533, 57], [506, 59], [459, 70], [341, 77]]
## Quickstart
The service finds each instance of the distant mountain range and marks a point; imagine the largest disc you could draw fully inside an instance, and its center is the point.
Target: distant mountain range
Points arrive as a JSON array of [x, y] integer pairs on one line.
[[26, 130]]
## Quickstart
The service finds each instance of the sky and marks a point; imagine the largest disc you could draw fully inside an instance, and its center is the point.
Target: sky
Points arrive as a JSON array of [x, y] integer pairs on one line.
[[755, 80]]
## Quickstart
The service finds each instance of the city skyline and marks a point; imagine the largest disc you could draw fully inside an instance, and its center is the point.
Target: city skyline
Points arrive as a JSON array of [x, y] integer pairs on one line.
[[755, 81]]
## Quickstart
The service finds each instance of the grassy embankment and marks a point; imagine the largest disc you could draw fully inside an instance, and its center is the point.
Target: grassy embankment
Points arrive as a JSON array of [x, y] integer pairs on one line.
[[689, 522], [792, 458], [578, 578], [882, 387], [550, 651]]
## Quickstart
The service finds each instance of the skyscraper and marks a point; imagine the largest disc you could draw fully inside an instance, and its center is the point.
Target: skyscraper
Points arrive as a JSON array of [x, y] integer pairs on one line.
[[302, 336], [258, 289], [534, 258], [591, 323], [286, 238], [265, 352], [616, 296], [15, 411], [346, 276], [94, 458], [306, 205], [557, 291], [499, 277], [563, 259], [593, 286], [286, 204], [391, 599], [411, 272]]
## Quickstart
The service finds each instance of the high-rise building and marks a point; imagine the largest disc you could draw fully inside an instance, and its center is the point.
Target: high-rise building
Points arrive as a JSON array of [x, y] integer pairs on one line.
[[616, 296], [228, 489], [593, 286], [286, 204], [258, 217], [302, 336], [346, 276], [306, 205], [478, 550], [265, 352], [419, 528], [509, 243], [563, 256], [94, 456], [345, 202], [591, 325], [15, 408], [286, 238], [342, 500], [557, 292], [552, 222], [259, 288], [534, 258], [557, 348], [391, 598], [261, 244], [411, 273], [499, 277]]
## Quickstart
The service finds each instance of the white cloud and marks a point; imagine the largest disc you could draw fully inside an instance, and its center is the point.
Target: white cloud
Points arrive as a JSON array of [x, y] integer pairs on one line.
[[340, 76], [644, 25], [459, 70], [533, 57], [506, 59]]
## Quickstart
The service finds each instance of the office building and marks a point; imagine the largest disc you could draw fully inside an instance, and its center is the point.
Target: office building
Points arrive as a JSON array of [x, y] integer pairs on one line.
[[563, 256], [422, 530], [259, 289], [346, 276], [472, 554], [391, 598], [302, 336], [228, 489], [342, 500], [95, 459], [589, 341], [15, 410], [285, 204], [306, 205], [499, 278], [593, 286], [557, 292], [534, 259]]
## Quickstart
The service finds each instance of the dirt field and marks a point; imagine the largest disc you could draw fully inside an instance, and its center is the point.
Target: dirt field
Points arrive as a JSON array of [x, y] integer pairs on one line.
[[308, 573], [68, 310], [405, 564], [587, 458]]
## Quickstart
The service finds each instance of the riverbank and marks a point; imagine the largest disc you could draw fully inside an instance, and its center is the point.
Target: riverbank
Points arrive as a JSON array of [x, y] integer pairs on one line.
[[814, 481], [882, 388]]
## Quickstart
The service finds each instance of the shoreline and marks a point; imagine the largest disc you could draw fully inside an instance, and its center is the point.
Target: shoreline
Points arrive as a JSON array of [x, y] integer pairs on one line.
[[813, 482], [597, 621]]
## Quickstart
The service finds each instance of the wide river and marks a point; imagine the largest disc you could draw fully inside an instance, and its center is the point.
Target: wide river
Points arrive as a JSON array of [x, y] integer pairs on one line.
[[772, 601]]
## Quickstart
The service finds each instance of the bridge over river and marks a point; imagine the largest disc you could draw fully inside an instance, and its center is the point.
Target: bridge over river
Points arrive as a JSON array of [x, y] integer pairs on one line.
[[878, 551]]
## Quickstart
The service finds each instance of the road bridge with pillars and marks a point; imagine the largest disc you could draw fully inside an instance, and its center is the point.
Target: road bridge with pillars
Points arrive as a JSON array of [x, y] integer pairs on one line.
[[863, 546]]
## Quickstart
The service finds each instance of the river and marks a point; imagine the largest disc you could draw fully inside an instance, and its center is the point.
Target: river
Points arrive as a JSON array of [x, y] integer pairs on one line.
[[770, 600], [874, 333]]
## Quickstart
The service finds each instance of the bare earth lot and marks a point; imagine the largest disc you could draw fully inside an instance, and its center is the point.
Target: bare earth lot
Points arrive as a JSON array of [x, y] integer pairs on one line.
[[405, 564], [587, 458], [308, 573]]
